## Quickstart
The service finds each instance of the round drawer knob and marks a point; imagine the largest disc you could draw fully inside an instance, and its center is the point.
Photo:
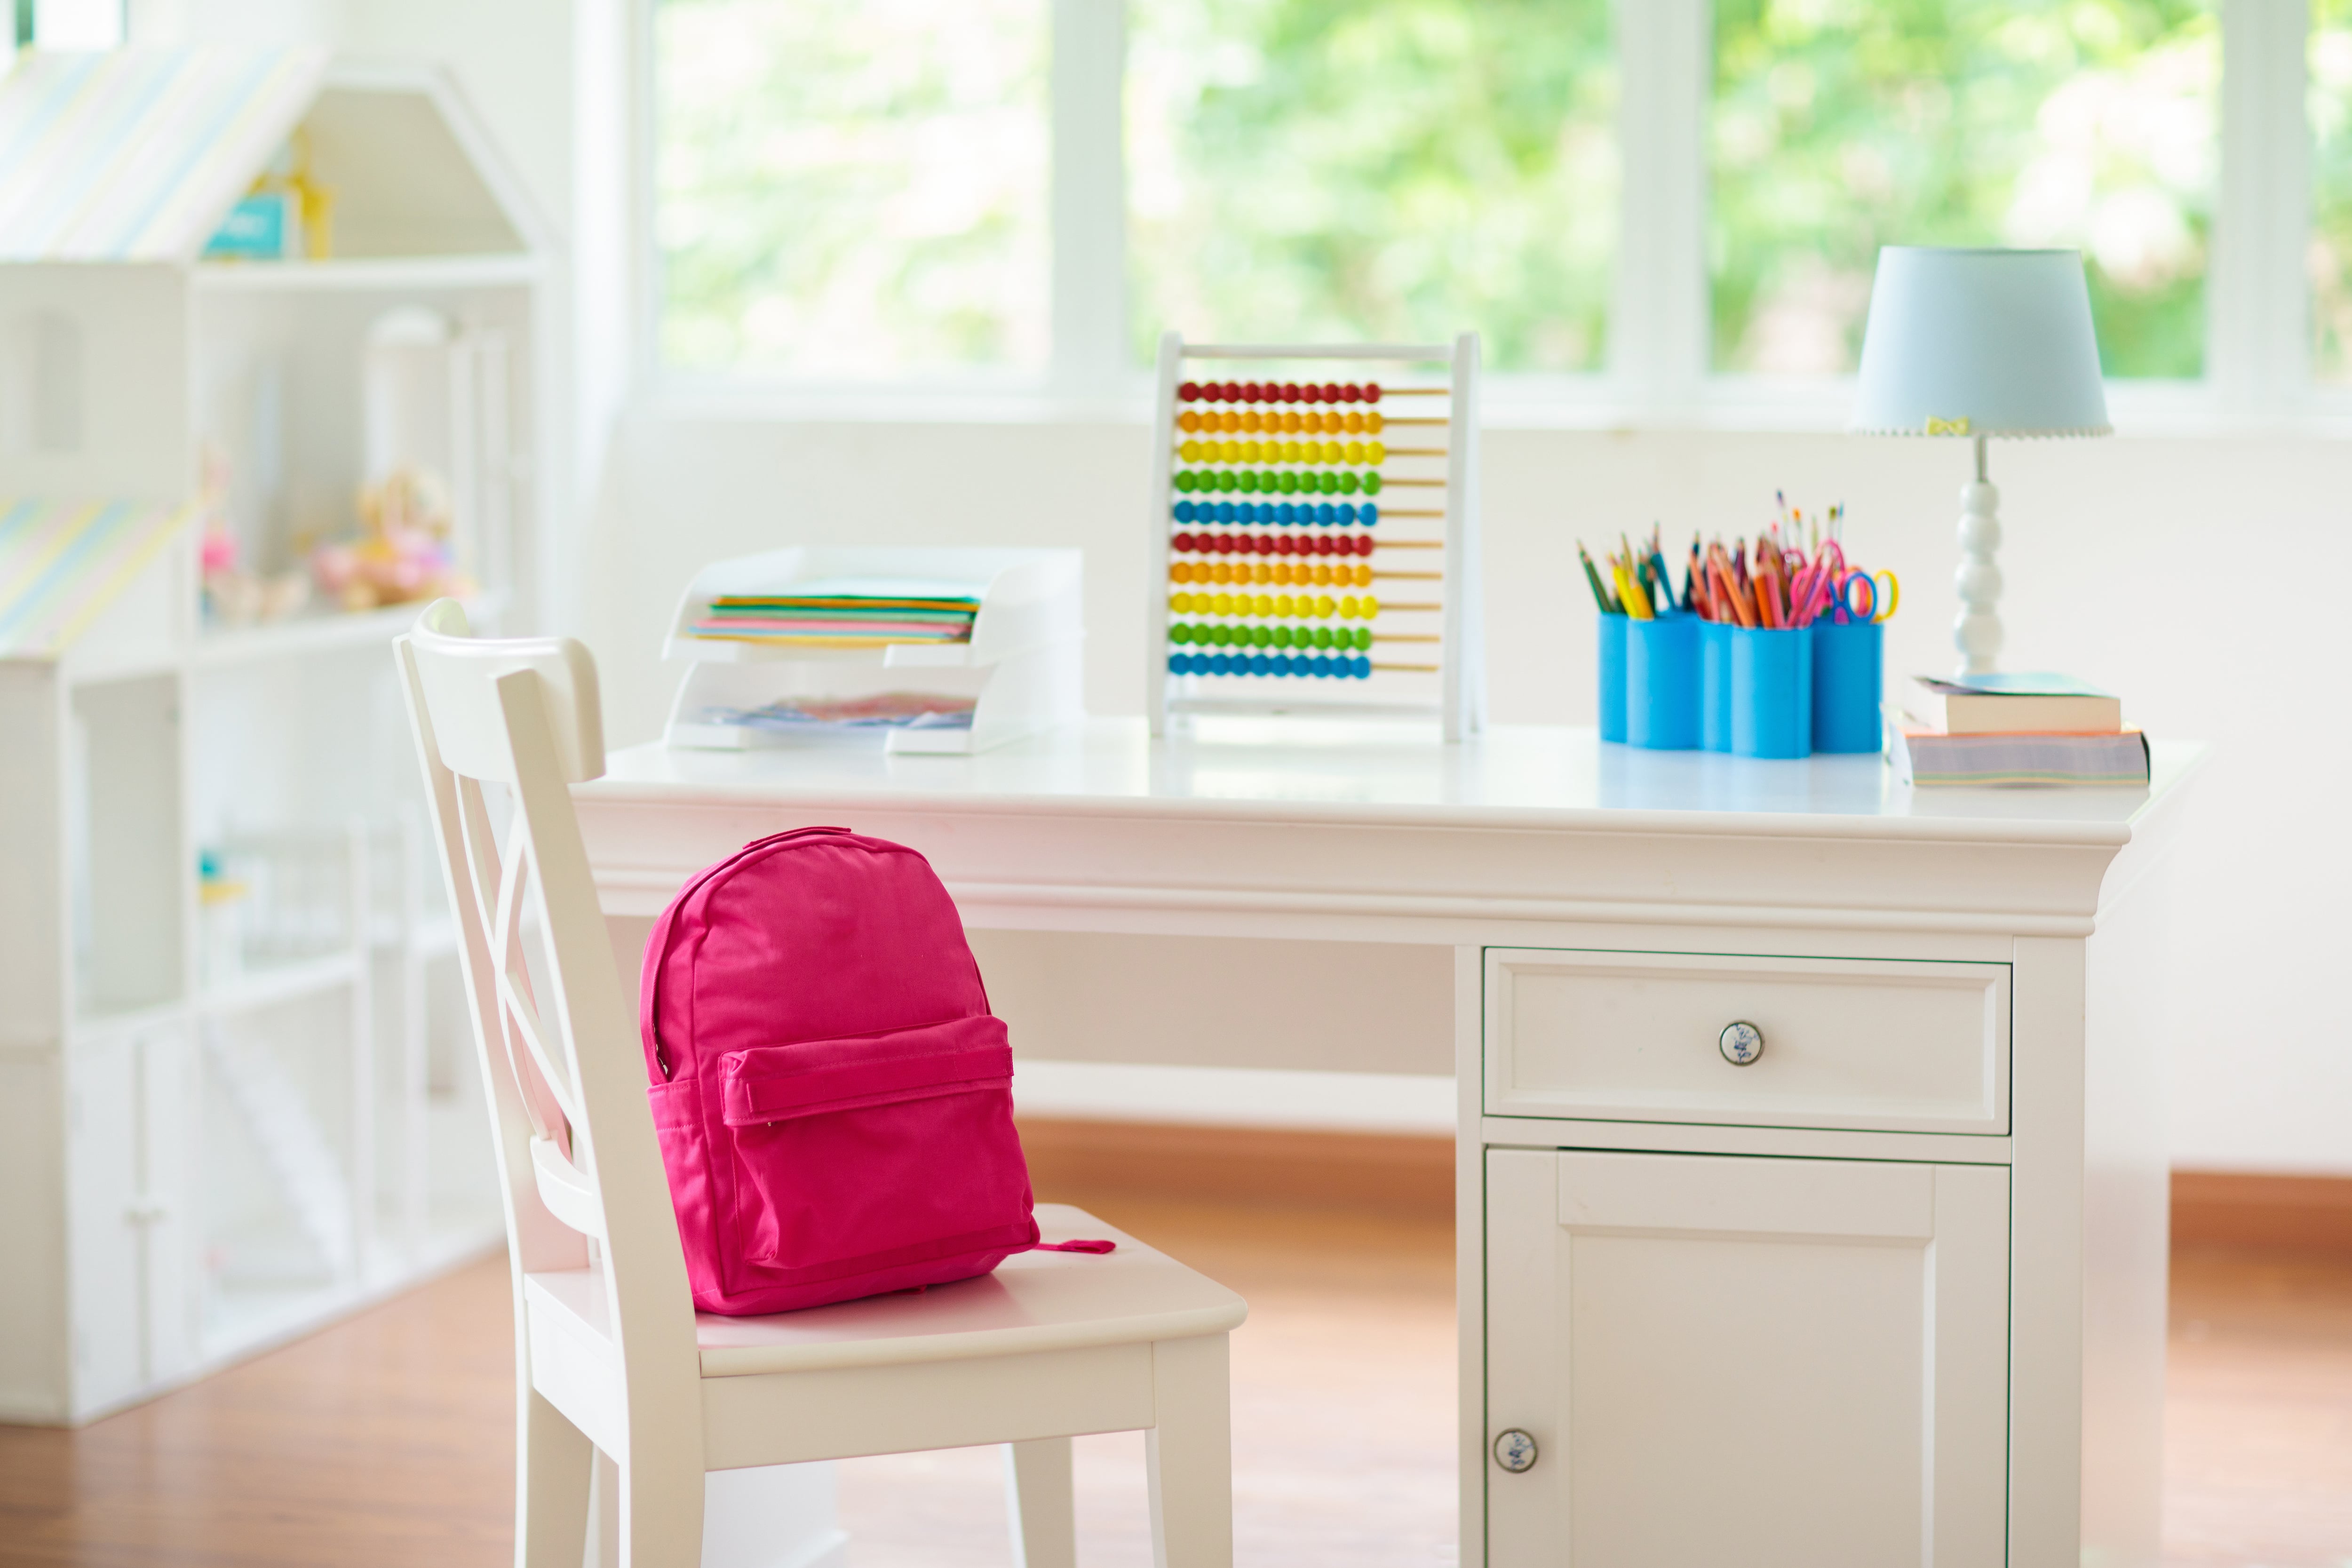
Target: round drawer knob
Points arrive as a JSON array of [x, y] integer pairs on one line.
[[1515, 1451], [1741, 1043]]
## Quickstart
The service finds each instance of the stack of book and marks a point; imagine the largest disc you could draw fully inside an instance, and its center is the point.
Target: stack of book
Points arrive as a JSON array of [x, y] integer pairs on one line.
[[2001, 729], [846, 612]]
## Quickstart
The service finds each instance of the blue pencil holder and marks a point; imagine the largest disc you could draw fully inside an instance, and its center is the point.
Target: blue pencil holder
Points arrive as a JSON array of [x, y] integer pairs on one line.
[[1771, 691], [1849, 677], [1612, 678], [1714, 685], [1662, 682]]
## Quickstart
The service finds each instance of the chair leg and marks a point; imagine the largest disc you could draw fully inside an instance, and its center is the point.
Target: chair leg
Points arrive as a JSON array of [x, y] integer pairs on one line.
[[659, 1522], [1189, 1452], [552, 1459], [607, 1517], [1037, 1492]]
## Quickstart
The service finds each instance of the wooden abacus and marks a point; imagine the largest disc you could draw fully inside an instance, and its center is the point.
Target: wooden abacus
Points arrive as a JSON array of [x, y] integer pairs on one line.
[[1269, 485]]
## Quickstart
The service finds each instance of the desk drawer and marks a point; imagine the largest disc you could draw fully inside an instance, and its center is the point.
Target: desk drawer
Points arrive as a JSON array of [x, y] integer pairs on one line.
[[1892, 1046]]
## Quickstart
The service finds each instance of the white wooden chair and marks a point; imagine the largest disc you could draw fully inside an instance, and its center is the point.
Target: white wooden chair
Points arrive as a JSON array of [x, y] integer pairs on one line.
[[609, 1349]]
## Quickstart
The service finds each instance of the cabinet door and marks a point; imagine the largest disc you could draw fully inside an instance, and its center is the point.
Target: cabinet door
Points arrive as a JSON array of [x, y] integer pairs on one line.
[[1755, 1361], [132, 1311], [165, 1210], [102, 1201]]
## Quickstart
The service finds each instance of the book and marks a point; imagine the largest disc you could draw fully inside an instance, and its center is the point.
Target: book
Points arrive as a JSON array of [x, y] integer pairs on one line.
[[2007, 704], [1930, 757]]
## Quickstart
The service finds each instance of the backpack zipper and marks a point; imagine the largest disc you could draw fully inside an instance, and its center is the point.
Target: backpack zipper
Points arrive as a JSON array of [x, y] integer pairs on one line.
[[700, 880]]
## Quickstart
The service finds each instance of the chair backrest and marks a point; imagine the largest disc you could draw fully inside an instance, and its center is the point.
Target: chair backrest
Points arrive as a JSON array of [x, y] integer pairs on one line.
[[565, 1071]]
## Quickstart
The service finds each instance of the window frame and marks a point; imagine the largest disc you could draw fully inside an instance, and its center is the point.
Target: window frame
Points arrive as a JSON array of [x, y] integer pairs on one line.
[[2257, 349]]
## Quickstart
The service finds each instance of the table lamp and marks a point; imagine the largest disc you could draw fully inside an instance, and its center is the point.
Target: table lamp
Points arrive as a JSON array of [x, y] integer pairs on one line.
[[1979, 343]]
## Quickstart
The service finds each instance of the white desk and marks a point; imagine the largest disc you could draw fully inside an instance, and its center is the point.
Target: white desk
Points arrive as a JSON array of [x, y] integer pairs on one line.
[[1960, 993]]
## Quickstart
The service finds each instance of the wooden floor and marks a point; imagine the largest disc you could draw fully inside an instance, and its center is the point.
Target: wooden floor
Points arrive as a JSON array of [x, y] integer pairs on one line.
[[387, 1440], [2258, 1412]]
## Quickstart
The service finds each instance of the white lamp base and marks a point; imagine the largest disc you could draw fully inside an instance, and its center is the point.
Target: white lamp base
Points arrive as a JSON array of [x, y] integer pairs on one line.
[[1976, 633]]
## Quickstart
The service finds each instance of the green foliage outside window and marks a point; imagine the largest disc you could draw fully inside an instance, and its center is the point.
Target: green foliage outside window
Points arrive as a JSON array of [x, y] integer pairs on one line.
[[852, 189], [2329, 258], [1842, 125], [1327, 170]]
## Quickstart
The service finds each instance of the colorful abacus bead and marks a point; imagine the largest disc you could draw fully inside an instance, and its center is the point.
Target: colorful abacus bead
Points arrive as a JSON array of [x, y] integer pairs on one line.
[[1278, 392], [1271, 544], [1279, 664]]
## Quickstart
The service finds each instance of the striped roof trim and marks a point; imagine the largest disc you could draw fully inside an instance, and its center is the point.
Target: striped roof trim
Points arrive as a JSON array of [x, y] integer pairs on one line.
[[63, 561], [136, 154]]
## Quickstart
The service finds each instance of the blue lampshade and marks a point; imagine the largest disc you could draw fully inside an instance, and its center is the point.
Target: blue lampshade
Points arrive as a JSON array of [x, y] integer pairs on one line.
[[1980, 342]]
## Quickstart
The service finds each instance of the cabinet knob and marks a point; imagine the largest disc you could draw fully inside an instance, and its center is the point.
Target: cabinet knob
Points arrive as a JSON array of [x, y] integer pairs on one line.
[[1741, 1043], [1515, 1451]]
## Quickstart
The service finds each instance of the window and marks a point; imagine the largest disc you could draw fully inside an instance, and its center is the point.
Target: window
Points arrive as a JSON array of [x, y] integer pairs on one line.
[[853, 190], [1640, 203], [1840, 125], [1318, 170], [67, 25], [2330, 259]]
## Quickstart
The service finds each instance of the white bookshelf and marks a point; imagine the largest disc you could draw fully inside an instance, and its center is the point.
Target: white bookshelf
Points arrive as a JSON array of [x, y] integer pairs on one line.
[[226, 1123]]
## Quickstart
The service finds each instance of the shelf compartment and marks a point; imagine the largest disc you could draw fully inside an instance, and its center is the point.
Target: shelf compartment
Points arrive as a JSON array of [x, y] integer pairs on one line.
[[272, 984], [127, 869]]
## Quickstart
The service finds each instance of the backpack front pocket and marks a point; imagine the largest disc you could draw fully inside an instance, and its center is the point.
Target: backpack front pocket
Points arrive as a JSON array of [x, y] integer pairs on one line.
[[868, 1152]]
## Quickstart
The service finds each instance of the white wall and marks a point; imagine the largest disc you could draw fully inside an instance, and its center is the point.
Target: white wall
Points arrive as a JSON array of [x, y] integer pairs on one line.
[[2191, 574]]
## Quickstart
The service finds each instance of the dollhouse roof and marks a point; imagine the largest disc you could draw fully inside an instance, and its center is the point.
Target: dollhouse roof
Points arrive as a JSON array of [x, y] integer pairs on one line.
[[137, 154]]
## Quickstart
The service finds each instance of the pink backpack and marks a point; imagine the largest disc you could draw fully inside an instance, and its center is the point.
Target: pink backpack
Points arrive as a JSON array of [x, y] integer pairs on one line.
[[833, 1097]]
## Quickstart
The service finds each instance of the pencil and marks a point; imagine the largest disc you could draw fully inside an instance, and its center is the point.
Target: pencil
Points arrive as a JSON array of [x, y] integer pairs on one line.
[[1608, 607], [1636, 604]]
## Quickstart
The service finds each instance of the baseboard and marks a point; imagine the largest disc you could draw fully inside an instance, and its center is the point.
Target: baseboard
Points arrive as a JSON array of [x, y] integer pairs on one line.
[[2289, 1213], [1399, 1175]]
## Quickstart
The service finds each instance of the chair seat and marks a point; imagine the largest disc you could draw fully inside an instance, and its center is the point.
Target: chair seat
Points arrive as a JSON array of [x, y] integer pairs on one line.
[[1034, 1302]]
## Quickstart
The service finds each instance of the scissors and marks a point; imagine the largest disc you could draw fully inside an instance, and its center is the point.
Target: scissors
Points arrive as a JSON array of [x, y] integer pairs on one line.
[[1877, 603]]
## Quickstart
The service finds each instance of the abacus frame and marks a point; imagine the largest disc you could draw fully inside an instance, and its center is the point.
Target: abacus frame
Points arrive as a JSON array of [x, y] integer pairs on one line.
[[1461, 707]]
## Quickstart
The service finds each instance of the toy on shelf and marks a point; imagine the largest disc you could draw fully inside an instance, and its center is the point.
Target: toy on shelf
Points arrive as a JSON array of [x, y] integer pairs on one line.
[[934, 650], [404, 555], [287, 215], [1314, 543], [235, 595], [220, 903]]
